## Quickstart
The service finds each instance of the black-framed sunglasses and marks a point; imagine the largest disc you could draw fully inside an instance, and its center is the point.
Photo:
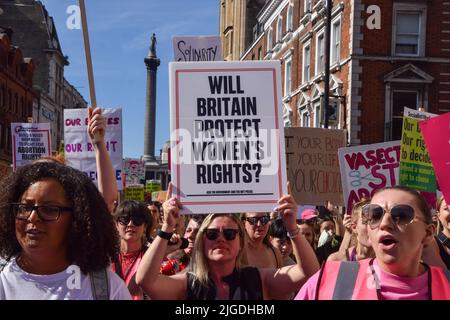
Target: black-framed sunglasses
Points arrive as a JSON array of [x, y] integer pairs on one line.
[[402, 214], [254, 220], [228, 234], [22, 211], [138, 220]]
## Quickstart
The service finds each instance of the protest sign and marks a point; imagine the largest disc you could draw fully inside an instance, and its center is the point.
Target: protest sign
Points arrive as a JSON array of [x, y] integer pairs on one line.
[[152, 186], [133, 171], [312, 164], [367, 168], [227, 136], [78, 149], [436, 133], [30, 141], [197, 48], [135, 192], [416, 169]]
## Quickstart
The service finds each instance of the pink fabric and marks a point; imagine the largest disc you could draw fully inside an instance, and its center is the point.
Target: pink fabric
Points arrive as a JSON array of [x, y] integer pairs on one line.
[[392, 287], [309, 214]]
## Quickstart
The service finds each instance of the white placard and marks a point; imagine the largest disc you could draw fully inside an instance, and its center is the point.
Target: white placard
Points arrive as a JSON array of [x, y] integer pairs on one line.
[[367, 168], [197, 48], [78, 149], [227, 136], [134, 171], [30, 141]]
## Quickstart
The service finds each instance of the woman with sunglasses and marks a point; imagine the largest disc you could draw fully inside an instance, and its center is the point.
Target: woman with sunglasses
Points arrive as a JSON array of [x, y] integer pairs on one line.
[[259, 251], [134, 224], [217, 270], [399, 225], [58, 236]]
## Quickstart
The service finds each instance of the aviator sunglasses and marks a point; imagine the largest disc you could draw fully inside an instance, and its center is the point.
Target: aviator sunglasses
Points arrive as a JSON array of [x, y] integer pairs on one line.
[[228, 234], [138, 220], [402, 214], [254, 220]]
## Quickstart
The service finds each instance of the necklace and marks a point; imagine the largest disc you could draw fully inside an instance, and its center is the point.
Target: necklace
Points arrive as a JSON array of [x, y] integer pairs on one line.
[[378, 284]]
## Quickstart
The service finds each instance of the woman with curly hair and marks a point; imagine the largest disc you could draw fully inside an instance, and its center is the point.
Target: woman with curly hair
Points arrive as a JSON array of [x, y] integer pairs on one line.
[[57, 235]]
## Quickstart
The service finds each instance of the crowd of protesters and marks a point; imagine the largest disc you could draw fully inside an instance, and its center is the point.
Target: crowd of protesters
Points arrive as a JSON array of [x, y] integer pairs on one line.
[[61, 237]]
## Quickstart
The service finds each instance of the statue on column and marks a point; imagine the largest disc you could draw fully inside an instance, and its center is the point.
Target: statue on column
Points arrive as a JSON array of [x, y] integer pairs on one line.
[[153, 46]]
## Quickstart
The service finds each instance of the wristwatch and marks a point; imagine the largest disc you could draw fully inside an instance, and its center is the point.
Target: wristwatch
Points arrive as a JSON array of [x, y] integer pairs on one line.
[[164, 235]]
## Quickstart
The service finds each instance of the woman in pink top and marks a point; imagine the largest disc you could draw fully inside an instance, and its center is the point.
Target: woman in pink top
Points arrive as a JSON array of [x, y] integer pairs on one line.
[[399, 225]]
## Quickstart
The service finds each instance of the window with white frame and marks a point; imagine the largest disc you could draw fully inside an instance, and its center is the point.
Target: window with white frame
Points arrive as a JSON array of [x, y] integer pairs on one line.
[[305, 118], [307, 6], [320, 52], [288, 76], [336, 41], [279, 29], [290, 19], [269, 40], [409, 29], [317, 115], [306, 62]]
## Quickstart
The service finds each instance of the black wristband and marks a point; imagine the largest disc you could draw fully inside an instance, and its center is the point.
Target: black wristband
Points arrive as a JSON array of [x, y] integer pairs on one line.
[[165, 235]]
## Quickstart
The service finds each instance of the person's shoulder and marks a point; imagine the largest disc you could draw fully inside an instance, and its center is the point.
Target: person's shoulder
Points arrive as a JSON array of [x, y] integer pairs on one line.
[[337, 256], [308, 290], [118, 289]]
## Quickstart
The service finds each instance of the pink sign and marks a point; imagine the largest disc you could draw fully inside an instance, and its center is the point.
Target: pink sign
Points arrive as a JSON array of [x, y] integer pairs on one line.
[[436, 133]]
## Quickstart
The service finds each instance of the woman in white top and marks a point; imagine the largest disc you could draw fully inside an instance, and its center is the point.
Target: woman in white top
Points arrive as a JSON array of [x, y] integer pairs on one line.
[[57, 235]]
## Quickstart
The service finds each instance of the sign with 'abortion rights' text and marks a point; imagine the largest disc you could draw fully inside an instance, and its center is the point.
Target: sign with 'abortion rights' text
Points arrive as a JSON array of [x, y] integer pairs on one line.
[[227, 136]]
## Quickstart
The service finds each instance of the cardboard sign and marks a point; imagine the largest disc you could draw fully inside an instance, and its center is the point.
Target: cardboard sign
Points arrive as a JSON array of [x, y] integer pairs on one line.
[[159, 196], [367, 168], [133, 171], [30, 141], [135, 192], [197, 48], [313, 165], [227, 136], [78, 149], [436, 133], [416, 169]]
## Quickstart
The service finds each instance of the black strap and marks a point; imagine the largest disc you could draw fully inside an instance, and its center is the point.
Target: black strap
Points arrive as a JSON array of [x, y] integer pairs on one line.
[[99, 284], [346, 279], [444, 239]]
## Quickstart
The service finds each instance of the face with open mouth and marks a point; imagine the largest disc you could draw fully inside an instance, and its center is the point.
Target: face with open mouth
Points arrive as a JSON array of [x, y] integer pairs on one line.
[[398, 247]]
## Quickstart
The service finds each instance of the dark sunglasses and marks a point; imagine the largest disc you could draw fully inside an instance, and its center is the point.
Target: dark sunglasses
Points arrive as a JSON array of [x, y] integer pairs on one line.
[[402, 214], [138, 220], [254, 220], [228, 234]]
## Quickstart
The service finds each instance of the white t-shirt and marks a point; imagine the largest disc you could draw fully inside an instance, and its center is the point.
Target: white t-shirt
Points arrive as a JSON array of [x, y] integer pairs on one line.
[[70, 284]]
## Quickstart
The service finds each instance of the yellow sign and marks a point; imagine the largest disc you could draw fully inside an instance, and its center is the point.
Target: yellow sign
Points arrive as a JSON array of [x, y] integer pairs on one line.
[[134, 193]]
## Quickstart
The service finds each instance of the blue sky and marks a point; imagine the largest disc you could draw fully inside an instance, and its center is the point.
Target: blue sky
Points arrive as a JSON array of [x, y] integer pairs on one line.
[[120, 36]]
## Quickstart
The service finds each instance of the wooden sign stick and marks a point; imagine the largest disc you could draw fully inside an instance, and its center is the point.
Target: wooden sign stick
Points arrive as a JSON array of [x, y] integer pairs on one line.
[[87, 50]]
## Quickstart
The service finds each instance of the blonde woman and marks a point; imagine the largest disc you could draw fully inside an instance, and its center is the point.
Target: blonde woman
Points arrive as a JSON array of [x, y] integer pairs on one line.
[[216, 270]]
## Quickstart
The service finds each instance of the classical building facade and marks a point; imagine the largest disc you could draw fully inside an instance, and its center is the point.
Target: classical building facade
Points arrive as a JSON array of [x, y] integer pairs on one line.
[[16, 94], [384, 55]]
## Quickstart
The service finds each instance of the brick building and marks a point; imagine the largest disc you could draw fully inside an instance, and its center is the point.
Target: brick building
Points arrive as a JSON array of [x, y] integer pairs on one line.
[[16, 94], [384, 55]]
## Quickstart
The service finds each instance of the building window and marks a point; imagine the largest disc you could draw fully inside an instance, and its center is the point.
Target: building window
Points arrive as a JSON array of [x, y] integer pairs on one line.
[[400, 100], [269, 40], [290, 19], [279, 36], [320, 53], [317, 115], [306, 62], [260, 57], [409, 29], [305, 118], [288, 76], [2, 144], [307, 6], [8, 139], [336, 41]]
